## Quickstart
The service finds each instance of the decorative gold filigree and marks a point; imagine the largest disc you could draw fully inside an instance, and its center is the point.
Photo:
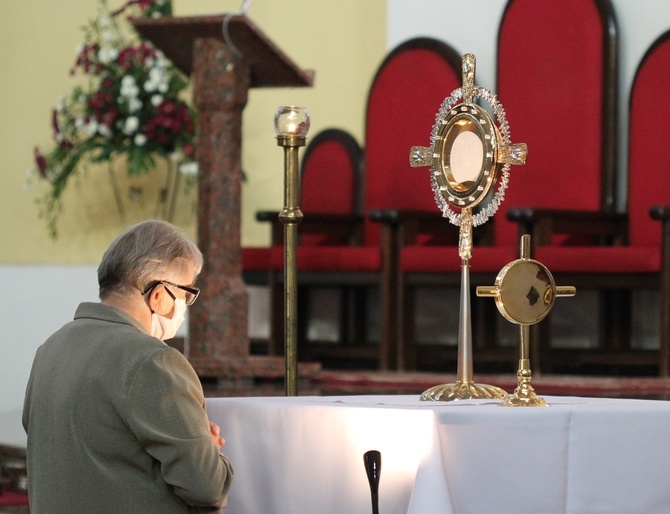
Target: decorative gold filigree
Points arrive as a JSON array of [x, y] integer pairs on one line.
[[465, 235], [513, 154], [469, 65], [420, 156]]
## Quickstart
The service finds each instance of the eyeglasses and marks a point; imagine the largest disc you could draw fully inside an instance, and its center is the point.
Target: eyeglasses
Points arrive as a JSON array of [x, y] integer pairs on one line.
[[191, 292]]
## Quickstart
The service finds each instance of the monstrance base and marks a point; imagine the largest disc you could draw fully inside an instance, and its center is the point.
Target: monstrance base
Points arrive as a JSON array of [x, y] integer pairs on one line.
[[463, 391]]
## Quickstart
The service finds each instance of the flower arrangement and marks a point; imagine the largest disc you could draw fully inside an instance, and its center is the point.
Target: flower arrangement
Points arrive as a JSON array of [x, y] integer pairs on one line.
[[129, 106]]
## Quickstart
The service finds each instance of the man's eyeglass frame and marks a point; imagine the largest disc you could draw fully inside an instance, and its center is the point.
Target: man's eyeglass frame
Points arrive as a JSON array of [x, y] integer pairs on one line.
[[191, 296]]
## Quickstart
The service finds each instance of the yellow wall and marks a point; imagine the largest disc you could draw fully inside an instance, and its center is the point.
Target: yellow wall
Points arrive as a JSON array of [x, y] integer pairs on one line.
[[342, 41]]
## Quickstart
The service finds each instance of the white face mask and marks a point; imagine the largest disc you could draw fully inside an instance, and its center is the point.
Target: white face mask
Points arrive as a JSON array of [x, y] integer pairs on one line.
[[166, 328]]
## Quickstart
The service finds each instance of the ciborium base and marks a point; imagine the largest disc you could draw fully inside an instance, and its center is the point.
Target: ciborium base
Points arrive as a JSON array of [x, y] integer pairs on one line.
[[524, 395], [463, 391]]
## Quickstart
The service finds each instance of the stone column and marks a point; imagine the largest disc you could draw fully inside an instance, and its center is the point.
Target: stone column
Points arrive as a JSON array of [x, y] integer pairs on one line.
[[218, 320]]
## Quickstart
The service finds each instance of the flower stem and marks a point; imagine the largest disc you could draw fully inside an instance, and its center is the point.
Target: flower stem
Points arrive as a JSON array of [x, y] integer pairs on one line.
[[117, 193], [175, 191]]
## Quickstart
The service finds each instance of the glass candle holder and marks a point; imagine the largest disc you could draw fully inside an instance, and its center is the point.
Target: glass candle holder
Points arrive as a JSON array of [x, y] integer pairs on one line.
[[291, 121]]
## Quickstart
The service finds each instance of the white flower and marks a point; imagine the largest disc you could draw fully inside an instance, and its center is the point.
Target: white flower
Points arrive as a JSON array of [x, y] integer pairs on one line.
[[31, 175], [91, 127], [161, 60], [156, 100], [152, 82], [140, 139], [129, 87], [60, 105], [109, 36], [127, 81], [107, 54], [157, 81], [150, 86], [104, 130], [155, 75], [135, 104], [131, 125], [103, 21], [189, 168], [79, 122]]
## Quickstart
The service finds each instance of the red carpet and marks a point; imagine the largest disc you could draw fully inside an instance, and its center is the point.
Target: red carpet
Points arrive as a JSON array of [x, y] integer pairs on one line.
[[8, 498]]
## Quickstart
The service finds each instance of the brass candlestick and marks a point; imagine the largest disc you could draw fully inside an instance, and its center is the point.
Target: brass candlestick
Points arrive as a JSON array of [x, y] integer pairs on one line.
[[469, 154], [525, 292], [291, 127]]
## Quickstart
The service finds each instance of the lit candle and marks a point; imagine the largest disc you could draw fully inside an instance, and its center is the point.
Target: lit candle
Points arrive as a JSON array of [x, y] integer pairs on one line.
[[291, 121]]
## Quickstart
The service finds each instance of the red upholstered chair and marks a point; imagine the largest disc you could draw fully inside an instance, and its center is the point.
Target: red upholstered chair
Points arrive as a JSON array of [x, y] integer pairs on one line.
[[556, 79], [330, 200], [645, 261], [566, 111], [405, 93]]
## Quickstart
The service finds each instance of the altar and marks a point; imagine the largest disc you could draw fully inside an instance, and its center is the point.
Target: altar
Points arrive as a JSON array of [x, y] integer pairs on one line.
[[578, 455]]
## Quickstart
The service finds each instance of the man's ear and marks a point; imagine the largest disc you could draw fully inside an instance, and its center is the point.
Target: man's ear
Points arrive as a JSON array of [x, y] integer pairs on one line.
[[159, 301]]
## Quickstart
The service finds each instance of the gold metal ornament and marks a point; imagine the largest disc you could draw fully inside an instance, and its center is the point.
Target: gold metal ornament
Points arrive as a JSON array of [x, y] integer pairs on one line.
[[470, 153], [525, 292]]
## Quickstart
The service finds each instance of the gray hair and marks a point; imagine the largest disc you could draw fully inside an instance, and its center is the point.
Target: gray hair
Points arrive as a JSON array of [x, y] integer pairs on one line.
[[150, 250]]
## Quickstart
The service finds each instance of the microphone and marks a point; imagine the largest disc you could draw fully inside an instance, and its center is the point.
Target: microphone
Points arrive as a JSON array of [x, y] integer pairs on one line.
[[373, 468], [245, 7]]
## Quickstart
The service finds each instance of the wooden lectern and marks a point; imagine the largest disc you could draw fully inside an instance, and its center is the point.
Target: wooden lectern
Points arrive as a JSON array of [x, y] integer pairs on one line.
[[222, 75]]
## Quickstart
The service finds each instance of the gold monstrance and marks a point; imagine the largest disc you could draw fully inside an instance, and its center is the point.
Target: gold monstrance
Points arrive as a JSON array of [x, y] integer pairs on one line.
[[470, 153]]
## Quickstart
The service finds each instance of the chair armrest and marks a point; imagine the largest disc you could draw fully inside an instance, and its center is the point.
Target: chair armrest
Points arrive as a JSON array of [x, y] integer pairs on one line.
[[270, 216], [660, 212], [402, 216], [430, 226], [409, 223], [541, 224], [343, 226], [276, 229], [347, 227]]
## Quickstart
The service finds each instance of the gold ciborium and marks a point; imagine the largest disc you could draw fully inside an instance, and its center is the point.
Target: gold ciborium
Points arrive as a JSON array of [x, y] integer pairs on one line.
[[525, 292], [470, 153]]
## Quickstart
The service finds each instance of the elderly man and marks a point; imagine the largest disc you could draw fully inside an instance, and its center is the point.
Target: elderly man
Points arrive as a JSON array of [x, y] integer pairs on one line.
[[115, 418]]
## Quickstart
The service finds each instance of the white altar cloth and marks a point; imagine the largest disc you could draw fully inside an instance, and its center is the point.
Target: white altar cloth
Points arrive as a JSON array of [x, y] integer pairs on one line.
[[304, 455]]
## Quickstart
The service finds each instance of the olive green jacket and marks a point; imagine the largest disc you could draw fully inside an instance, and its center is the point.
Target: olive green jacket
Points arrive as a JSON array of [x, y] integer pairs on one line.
[[116, 423]]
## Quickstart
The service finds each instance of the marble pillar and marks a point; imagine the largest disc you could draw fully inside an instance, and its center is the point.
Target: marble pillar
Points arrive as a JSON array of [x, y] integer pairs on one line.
[[218, 320]]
